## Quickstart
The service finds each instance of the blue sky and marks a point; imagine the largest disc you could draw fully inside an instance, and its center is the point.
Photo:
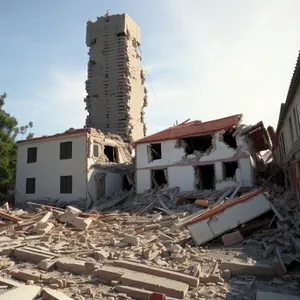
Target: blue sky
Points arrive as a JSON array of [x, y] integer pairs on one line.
[[204, 59]]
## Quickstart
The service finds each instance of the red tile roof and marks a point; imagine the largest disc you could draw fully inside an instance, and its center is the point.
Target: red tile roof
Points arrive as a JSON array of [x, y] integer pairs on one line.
[[193, 128], [57, 135]]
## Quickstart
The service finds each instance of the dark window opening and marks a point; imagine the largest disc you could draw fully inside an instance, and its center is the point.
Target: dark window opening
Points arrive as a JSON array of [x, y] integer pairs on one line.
[[30, 185], [229, 169], [229, 140], [31, 155], [111, 153], [66, 150], [198, 143], [96, 150], [159, 178], [205, 177], [121, 34], [126, 185], [66, 184], [155, 151]]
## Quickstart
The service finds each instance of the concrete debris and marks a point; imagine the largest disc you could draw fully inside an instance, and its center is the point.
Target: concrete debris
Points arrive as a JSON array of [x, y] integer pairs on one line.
[[155, 250]]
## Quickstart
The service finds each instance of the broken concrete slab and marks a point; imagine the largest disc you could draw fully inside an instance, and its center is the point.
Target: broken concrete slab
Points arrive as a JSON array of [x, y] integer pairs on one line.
[[135, 293], [24, 292], [81, 223], [260, 295], [228, 216], [192, 281], [131, 239], [47, 265], [9, 282], [26, 275], [169, 287], [255, 269], [73, 266], [50, 294], [32, 254]]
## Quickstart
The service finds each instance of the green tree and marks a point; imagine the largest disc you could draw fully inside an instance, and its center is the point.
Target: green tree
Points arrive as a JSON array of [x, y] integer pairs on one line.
[[9, 130]]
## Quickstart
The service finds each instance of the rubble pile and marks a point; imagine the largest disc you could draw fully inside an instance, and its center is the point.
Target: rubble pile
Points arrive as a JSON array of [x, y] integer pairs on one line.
[[55, 253]]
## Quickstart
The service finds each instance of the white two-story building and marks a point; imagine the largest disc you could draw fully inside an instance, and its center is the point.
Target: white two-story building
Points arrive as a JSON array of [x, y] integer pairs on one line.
[[200, 155], [74, 165]]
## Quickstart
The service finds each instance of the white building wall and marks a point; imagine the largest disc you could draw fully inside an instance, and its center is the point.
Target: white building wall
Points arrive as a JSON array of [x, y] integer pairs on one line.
[[143, 180], [182, 177], [48, 169], [170, 155], [181, 172]]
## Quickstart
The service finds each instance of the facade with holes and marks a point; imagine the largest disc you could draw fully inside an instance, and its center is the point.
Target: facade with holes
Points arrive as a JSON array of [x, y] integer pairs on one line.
[[67, 166], [287, 147], [200, 155]]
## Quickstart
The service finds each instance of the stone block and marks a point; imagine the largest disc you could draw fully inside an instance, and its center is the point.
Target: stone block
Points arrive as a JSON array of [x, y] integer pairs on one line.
[[24, 292], [226, 274], [259, 270], [232, 238], [192, 281], [25, 275], [49, 294], [101, 255], [131, 239], [72, 266], [47, 265], [81, 223]]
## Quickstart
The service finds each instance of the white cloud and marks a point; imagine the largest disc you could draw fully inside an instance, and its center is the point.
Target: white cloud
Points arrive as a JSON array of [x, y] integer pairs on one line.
[[223, 58]]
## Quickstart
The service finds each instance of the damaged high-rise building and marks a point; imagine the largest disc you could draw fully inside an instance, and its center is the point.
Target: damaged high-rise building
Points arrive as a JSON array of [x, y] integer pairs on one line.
[[116, 95]]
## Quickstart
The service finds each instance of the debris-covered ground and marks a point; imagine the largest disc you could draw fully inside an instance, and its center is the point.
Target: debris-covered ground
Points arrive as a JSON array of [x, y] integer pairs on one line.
[[53, 253]]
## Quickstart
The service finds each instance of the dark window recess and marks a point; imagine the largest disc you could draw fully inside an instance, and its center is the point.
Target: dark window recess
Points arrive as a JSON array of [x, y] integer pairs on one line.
[[96, 150], [126, 185], [159, 178], [111, 153], [229, 168], [229, 140], [66, 184], [31, 155], [121, 34], [198, 143], [66, 150], [155, 151], [30, 185], [205, 177]]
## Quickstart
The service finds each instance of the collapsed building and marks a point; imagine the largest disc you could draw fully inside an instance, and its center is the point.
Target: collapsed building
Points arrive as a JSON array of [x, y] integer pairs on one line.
[[116, 95], [82, 165], [202, 155]]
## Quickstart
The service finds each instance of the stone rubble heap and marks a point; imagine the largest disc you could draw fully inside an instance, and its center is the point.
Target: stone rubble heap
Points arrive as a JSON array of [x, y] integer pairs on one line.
[[57, 253]]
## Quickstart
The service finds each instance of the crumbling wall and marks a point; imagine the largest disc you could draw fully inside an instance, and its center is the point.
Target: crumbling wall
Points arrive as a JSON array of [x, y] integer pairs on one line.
[[115, 85]]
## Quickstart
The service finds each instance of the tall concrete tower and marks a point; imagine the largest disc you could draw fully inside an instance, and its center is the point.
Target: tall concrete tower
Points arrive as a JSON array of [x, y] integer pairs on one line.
[[115, 86]]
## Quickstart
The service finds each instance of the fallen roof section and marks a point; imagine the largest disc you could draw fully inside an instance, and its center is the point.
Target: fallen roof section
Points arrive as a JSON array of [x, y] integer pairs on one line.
[[193, 128]]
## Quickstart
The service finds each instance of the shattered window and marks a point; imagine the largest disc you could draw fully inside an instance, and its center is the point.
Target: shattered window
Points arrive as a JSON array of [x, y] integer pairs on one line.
[[229, 140], [159, 178], [111, 153], [229, 169], [198, 143], [205, 177], [155, 151]]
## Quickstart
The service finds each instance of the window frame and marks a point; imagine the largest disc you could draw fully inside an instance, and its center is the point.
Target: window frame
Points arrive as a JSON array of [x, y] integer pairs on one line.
[[28, 190], [64, 188], [29, 155], [63, 150]]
